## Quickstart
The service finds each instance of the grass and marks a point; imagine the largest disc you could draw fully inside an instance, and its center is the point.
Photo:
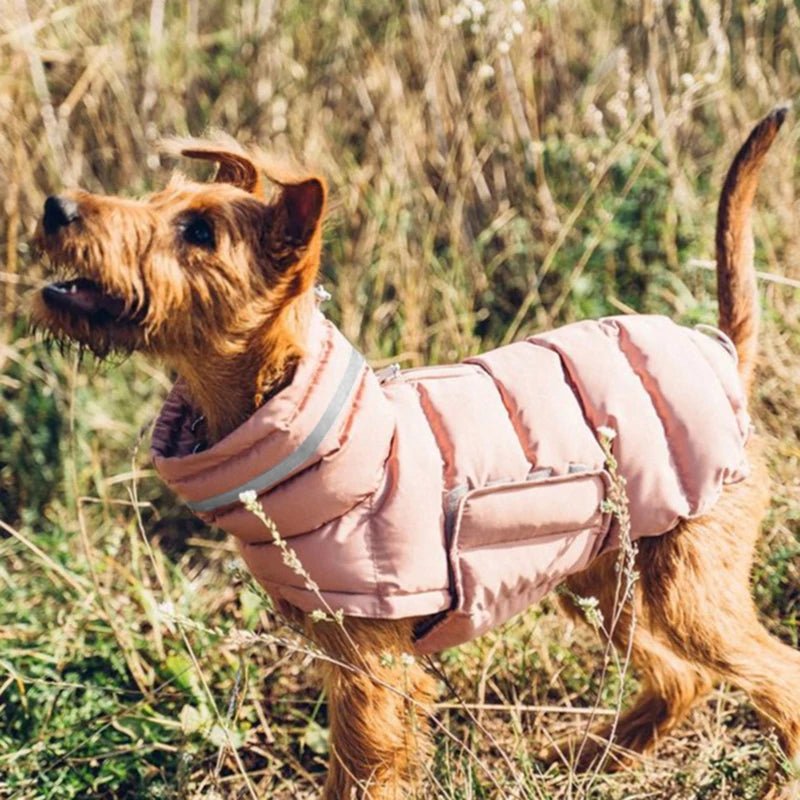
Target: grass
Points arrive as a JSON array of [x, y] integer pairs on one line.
[[491, 176]]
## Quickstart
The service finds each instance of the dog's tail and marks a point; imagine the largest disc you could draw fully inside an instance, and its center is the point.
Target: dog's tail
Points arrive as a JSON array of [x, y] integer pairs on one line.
[[736, 277]]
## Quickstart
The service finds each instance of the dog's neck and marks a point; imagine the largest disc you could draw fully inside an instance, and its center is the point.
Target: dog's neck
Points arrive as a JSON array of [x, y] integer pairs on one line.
[[227, 386]]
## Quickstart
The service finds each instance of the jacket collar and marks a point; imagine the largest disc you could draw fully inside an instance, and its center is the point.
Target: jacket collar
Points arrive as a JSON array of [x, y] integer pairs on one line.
[[290, 432]]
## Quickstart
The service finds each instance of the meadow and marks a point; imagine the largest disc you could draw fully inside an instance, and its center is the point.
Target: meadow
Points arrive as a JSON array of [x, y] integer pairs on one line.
[[496, 168]]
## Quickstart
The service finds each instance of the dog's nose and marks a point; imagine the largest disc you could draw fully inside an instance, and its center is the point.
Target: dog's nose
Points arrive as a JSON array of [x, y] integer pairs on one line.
[[58, 212]]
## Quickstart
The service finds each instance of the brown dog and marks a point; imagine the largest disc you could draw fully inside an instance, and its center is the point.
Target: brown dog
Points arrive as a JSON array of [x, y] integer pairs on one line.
[[218, 284]]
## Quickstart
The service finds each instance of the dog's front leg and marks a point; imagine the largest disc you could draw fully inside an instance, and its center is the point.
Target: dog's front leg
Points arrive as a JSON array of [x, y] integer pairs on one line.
[[378, 696]]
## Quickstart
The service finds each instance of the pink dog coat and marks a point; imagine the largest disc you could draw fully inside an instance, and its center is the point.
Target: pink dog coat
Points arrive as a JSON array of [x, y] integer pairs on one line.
[[462, 493]]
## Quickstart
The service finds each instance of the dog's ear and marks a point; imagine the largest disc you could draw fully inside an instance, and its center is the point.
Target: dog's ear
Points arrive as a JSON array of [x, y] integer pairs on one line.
[[235, 166], [298, 212], [293, 240]]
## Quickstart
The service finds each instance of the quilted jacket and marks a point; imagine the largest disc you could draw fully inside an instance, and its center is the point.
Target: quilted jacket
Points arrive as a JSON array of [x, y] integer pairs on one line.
[[461, 494]]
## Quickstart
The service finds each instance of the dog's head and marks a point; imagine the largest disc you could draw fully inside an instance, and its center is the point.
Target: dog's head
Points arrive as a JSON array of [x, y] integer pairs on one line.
[[187, 267]]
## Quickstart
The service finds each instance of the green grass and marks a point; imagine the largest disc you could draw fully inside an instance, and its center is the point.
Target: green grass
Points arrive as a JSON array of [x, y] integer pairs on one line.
[[579, 178]]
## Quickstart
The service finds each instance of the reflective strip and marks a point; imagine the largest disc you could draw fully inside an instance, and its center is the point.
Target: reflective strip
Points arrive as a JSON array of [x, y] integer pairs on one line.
[[283, 469]]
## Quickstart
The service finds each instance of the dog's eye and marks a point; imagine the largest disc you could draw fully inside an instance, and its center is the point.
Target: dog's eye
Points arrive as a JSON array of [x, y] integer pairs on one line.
[[198, 230]]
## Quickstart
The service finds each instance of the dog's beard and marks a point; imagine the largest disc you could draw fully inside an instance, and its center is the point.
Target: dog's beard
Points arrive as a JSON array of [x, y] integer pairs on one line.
[[66, 330], [79, 311]]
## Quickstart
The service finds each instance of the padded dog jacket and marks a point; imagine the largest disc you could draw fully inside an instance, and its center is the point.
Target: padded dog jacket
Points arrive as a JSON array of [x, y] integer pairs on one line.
[[461, 494]]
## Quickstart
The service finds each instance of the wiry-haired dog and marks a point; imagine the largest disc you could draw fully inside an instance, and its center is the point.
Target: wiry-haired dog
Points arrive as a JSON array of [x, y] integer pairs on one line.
[[218, 283]]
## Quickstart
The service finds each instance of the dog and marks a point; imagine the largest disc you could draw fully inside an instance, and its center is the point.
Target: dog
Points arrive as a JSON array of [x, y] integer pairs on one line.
[[274, 408]]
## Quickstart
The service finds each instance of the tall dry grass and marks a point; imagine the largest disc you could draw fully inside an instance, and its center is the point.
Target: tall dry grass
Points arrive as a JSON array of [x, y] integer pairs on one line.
[[493, 171]]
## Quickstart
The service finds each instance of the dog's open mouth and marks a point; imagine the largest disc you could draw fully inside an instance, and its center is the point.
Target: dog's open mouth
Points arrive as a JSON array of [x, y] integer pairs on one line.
[[85, 297]]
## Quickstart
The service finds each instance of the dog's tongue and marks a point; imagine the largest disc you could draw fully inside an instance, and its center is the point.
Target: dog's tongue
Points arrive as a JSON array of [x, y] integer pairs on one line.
[[84, 296]]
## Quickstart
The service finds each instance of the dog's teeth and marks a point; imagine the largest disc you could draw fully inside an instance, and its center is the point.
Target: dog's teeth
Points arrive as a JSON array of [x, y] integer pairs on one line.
[[73, 289]]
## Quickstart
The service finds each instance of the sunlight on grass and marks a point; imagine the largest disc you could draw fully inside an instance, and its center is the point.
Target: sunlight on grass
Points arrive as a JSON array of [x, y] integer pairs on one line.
[[493, 172]]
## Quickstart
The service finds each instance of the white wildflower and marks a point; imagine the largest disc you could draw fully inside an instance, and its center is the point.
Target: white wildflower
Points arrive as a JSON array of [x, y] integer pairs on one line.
[[594, 119], [591, 610], [641, 97], [166, 609], [477, 8], [234, 567], [485, 72], [461, 14], [616, 107], [167, 615], [607, 433]]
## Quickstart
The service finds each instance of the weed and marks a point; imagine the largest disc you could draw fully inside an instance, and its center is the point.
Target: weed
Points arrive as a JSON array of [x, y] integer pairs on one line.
[[570, 169]]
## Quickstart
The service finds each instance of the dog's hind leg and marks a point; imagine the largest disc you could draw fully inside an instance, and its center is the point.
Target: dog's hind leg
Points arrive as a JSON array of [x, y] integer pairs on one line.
[[696, 585], [695, 622], [378, 697], [671, 685]]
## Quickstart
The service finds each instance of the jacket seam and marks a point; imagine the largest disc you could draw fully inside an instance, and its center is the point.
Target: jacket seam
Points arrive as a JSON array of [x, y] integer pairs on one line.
[[511, 410], [743, 407], [443, 443], [369, 538], [373, 556], [597, 527], [625, 343], [569, 378], [364, 594]]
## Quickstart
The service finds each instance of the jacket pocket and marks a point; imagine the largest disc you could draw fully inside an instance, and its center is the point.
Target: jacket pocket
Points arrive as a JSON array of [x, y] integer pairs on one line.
[[511, 543]]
